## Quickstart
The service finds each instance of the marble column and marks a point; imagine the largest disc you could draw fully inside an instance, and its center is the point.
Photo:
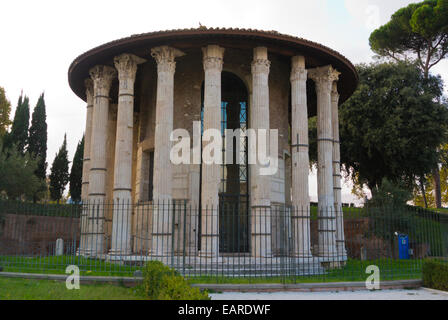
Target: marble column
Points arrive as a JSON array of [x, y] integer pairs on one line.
[[126, 64], [102, 77], [260, 185], [323, 78], [300, 159], [86, 165], [87, 139], [163, 171], [337, 186], [211, 173]]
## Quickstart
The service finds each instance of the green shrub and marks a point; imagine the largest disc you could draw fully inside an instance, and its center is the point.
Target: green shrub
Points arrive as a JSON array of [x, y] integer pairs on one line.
[[40, 209], [163, 283], [435, 274]]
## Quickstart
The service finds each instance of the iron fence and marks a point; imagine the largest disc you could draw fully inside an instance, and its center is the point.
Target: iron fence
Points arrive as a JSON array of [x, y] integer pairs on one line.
[[228, 242]]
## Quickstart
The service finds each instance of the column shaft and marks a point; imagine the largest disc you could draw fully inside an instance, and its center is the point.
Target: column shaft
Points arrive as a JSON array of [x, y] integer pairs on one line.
[[337, 186], [102, 77], [260, 185], [163, 171], [211, 174], [323, 78], [86, 167], [300, 159], [126, 65], [87, 140]]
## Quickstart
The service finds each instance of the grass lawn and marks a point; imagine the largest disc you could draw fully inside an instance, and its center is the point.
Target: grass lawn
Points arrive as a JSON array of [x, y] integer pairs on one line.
[[26, 289], [58, 264], [354, 270]]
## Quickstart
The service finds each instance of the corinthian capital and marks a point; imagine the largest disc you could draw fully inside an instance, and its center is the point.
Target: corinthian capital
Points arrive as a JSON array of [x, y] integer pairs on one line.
[[327, 73], [299, 74], [334, 92], [165, 57], [260, 63], [324, 77], [102, 77], [298, 71], [213, 57], [88, 83], [126, 64], [261, 66]]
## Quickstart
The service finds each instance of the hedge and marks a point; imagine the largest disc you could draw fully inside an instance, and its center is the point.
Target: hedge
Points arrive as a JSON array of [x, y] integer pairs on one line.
[[435, 274], [163, 283]]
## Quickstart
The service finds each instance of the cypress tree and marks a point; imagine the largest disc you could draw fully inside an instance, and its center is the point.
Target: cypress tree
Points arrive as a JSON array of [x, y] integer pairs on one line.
[[76, 172], [37, 143], [20, 124], [59, 175]]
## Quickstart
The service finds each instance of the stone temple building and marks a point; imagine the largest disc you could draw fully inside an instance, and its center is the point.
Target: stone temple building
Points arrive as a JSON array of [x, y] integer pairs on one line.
[[139, 89]]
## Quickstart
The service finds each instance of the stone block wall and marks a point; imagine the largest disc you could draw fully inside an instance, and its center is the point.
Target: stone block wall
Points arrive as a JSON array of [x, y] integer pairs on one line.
[[28, 235]]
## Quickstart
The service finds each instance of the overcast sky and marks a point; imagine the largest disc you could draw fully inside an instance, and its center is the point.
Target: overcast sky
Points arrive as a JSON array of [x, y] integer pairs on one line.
[[39, 40]]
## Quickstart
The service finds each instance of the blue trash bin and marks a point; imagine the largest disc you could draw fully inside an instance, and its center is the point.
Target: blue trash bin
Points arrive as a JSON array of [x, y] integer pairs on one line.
[[403, 247]]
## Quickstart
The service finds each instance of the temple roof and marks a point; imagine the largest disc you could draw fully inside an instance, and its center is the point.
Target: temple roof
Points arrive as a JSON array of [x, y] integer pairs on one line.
[[285, 45]]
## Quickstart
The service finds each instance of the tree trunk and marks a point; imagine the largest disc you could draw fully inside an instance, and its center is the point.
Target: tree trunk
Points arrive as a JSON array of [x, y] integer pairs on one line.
[[437, 190], [422, 185]]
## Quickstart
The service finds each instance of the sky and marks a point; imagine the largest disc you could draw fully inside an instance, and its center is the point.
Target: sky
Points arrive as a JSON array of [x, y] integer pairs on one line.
[[39, 40]]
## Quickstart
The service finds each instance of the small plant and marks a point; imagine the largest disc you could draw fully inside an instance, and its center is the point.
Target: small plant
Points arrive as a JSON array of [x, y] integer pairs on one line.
[[163, 283], [435, 274]]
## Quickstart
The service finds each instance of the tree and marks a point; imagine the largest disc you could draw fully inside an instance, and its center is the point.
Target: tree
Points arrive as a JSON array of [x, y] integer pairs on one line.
[[417, 32], [19, 131], [428, 199], [392, 125], [17, 177], [59, 172], [76, 172], [37, 143], [390, 195], [5, 110]]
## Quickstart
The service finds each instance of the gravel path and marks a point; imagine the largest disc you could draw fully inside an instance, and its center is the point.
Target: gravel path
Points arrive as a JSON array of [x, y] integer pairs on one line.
[[418, 294]]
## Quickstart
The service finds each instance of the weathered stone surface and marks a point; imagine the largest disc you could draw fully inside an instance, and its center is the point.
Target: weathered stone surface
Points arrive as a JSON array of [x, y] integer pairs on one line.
[[337, 185], [163, 168], [300, 158], [126, 64], [324, 78], [59, 249], [260, 185], [166, 100], [102, 77], [211, 176]]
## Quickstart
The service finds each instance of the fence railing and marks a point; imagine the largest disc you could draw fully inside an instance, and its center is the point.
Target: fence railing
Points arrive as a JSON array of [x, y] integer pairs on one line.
[[220, 243]]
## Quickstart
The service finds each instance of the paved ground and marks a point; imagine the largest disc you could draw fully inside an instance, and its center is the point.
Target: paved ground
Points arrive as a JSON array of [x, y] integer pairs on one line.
[[418, 294]]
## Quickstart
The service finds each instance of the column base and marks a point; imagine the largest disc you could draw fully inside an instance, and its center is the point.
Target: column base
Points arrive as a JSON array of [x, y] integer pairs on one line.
[[263, 256], [210, 256], [340, 249], [87, 253], [329, 255], [305, 255], [115, 252]]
